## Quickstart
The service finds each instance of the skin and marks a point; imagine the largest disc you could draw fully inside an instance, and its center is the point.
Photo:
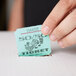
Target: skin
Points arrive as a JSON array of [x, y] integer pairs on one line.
[[16, 16], [60, 25]]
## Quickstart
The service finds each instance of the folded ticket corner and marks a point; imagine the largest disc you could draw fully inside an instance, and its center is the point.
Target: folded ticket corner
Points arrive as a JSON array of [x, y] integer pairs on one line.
[[31, 42]]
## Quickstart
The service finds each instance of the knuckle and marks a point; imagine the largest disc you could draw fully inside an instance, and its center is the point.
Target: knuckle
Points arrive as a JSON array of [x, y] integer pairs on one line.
[[67, 3], [59, 32], [53, 19]]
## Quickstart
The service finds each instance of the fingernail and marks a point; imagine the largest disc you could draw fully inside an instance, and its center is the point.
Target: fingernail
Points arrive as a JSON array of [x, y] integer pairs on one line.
[[45, 30], [61, 44], [52, 37]]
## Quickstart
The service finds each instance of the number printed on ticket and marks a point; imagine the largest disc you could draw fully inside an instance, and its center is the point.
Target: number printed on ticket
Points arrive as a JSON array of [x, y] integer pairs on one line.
[[31, 42]]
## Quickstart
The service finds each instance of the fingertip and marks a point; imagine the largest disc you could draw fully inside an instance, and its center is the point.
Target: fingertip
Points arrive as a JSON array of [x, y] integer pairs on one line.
[[53, 38], [61, 44], [45, 30]]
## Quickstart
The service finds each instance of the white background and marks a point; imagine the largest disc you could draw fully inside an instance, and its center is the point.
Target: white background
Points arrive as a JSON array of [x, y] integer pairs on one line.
[[61, 63]]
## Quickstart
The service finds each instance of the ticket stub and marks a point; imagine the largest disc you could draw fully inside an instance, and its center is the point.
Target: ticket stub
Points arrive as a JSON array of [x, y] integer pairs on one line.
[[31, 42]]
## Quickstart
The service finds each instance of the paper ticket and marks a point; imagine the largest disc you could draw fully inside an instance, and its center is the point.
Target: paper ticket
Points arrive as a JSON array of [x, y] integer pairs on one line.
[[31, 42]]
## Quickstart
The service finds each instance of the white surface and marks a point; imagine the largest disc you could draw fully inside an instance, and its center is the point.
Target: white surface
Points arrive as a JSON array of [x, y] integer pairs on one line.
[[61, 63]]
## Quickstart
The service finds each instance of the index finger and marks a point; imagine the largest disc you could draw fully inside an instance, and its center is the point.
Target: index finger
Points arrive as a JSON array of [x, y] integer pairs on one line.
[[57, 14]]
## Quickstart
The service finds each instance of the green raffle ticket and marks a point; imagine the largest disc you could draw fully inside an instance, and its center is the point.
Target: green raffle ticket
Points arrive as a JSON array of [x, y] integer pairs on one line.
[[31, 42]]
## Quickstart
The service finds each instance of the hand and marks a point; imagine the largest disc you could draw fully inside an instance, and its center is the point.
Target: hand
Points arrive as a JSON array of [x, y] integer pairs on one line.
[[60, 25]]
